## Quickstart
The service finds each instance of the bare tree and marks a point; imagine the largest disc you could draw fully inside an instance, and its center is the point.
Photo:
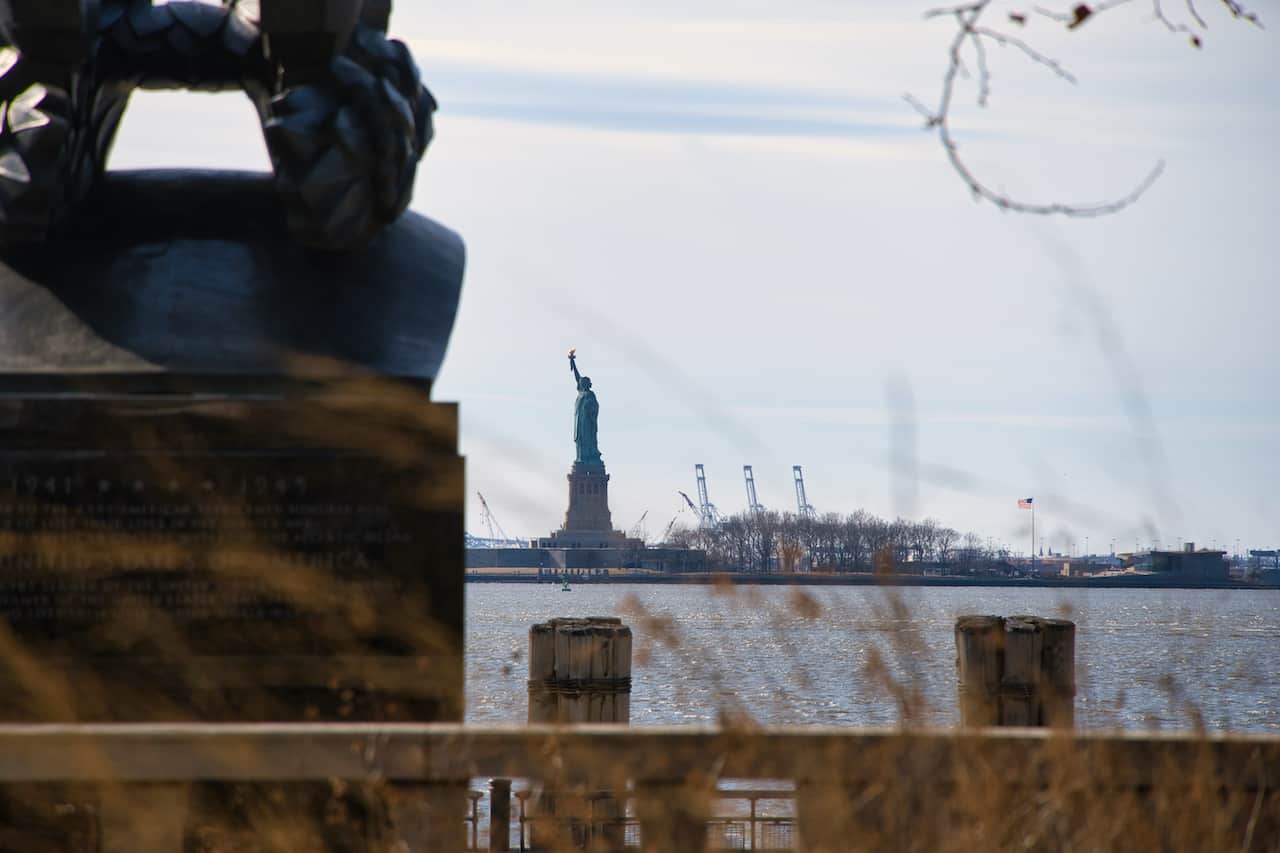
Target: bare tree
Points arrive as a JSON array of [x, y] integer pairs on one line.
[[860, 542]]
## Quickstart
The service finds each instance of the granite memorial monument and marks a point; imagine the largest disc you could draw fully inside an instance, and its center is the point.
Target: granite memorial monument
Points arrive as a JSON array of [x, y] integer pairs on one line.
[[225, 492]]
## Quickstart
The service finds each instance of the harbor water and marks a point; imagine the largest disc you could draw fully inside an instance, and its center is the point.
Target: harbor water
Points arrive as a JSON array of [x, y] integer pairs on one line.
[[879, 656]]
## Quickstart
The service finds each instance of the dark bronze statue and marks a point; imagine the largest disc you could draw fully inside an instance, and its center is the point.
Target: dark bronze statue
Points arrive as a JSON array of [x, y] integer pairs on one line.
[[344, 113], [586, 418], [197, 273]]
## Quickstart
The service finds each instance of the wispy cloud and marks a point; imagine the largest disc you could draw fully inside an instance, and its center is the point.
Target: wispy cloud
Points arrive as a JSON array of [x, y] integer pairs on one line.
[[583, 98]]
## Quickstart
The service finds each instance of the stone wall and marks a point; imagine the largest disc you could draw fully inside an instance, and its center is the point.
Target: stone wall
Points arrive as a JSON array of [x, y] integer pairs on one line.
[[650, 559]]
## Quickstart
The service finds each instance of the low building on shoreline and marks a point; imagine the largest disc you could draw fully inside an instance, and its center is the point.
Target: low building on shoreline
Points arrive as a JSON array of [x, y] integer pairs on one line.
[[1186, 564]]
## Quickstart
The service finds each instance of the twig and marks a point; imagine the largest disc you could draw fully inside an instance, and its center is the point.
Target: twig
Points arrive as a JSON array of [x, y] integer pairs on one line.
[[1238, 11], [984, 74], [929, 117], [1191, 10], [1158, 10], [969, 33], [957, 10], [1083, 12], [1005, 40], [1080, 13]]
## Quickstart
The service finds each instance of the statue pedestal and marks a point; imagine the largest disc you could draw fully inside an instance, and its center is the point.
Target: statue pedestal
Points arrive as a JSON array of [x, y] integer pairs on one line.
[[588, 522], [225, 492], [231, 556], [588, 499]]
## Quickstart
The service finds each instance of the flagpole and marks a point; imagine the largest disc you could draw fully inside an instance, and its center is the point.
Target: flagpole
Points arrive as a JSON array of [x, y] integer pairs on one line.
[[1033, 530]]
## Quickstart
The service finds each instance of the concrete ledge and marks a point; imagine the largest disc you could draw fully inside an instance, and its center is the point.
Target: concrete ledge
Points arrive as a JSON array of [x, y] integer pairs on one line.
[[449, 752]]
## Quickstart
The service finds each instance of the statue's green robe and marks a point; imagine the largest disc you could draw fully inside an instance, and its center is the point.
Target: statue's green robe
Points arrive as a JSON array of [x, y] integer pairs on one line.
[[586, 417]]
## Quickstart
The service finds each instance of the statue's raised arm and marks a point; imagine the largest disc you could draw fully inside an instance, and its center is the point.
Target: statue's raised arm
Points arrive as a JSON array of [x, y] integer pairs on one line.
[[573, 365], [586, 414]]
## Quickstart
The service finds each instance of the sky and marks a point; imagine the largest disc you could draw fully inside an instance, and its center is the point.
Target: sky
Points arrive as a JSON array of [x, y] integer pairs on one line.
[[730, 211]]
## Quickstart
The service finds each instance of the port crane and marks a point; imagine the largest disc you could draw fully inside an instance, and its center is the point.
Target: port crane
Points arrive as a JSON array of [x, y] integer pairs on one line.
[[495, 529], [708, 515], [666, 534], [753, 505], [637, 530], [803, 506], [498, 537]]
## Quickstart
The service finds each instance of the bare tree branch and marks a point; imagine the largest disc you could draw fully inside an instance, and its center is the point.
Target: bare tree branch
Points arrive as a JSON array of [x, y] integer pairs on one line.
[[957, 10], [1191, 10], [969, 33], [1080, 13], [1171, 26], [1238, 11], [1083, 12], [984, 74], [1005, 40]]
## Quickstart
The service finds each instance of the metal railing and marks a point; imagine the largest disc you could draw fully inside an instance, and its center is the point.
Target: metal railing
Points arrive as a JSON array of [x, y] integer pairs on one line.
[[754, 830], [472, 820]]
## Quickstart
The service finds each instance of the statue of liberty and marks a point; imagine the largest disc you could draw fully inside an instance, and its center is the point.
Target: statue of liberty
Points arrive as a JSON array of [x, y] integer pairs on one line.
[[586, 416]]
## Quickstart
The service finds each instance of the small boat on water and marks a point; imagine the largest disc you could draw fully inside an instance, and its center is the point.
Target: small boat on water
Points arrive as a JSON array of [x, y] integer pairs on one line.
[[564, 584]]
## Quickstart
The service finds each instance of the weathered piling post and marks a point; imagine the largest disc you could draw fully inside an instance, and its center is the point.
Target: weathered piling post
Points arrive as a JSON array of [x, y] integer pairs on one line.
[[580, 672], [1058, 673], [543, 702], [979, 661], [1018, 671], [1020, 679], [499, 815]]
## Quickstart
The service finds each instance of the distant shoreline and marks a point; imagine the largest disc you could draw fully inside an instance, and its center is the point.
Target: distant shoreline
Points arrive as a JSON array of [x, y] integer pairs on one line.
[[806, 579]]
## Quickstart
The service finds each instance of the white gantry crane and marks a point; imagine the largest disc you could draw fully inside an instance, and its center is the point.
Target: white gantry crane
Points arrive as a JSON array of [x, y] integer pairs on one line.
[[753, 505], [708, 515], [802, 501]]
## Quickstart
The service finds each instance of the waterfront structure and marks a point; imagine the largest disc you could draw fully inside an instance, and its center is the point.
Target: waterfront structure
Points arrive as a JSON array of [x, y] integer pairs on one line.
[[1187, 564]]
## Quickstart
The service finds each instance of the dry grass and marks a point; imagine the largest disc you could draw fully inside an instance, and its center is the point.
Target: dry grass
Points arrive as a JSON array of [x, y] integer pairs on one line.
[[341, 643]]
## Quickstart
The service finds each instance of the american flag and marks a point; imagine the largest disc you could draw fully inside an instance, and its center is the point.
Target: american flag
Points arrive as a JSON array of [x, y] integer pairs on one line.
[[1025, 503]]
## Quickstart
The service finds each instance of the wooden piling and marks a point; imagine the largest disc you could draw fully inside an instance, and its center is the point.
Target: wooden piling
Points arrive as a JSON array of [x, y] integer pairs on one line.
[[1058, 673], [1020, 679], [580, 671], [979, 662], [542, 669], [1018, 671]]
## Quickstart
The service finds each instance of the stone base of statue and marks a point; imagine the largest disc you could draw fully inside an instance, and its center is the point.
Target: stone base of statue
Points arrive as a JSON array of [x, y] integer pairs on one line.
[[225, 492], [588, 522], [227, 496]]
